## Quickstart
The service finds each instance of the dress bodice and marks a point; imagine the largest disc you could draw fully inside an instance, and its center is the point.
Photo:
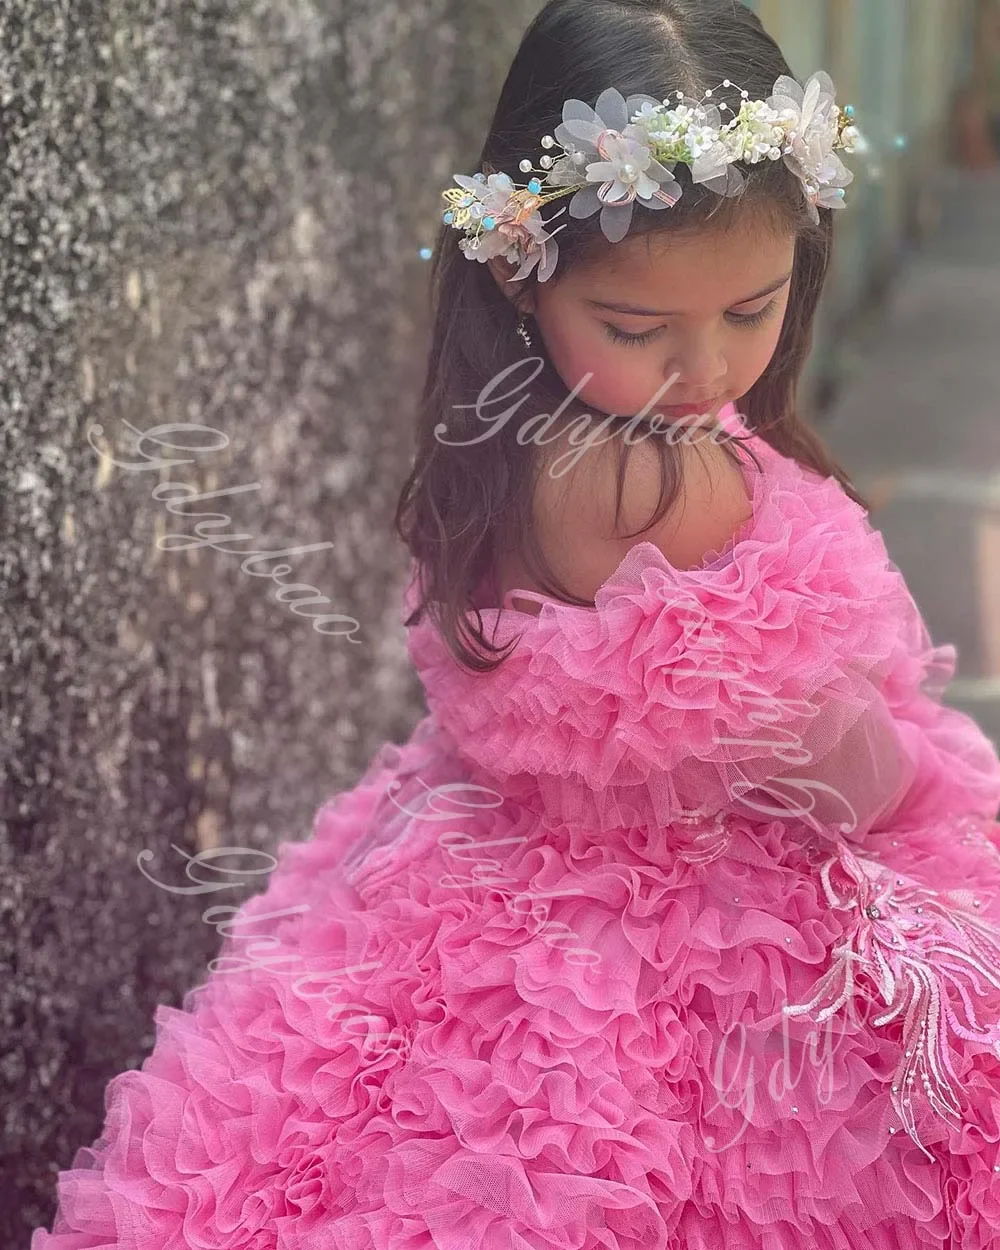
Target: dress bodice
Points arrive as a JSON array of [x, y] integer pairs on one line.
[[789, 672]]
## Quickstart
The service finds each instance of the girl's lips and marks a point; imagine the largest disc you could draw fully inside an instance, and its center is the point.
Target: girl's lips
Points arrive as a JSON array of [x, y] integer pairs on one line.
[[684, 410], [702, 406]]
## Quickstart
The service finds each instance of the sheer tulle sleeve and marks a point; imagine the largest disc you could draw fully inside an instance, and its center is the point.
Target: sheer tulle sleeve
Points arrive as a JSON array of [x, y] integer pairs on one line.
[[836, 761]]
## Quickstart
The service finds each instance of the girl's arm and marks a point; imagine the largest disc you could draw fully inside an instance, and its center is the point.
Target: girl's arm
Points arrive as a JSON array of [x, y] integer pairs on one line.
[[575, 512]]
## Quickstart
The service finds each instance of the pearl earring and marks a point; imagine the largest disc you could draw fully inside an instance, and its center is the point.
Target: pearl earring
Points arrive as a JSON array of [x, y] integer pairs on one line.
[[522, 329]]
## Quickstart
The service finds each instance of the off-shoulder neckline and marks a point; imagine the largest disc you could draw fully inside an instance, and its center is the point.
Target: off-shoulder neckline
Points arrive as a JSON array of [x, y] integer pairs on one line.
[[755, 480]]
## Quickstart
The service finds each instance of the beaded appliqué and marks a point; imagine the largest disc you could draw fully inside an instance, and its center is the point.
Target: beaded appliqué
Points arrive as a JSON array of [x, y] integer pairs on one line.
[[911, 941], [709, 834]]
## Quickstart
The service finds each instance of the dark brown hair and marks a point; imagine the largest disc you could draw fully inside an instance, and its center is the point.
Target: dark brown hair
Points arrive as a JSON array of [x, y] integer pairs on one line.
[[469, 498]]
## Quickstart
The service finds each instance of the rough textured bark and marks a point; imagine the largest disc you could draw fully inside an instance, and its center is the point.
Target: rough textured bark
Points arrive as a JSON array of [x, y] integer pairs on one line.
[[210, 215]]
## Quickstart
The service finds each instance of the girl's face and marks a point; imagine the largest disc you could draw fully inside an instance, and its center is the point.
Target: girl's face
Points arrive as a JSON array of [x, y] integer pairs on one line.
[[705, 309]]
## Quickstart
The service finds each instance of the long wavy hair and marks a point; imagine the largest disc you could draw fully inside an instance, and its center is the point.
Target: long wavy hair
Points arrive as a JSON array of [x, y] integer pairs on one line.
[[468, 500]]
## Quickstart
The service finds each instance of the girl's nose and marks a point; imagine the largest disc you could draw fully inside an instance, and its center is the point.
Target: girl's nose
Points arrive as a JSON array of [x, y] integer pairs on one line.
[[700, 367]]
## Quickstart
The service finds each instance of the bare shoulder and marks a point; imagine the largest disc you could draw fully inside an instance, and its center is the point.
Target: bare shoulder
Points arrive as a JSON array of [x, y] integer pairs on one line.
[[574, 510]]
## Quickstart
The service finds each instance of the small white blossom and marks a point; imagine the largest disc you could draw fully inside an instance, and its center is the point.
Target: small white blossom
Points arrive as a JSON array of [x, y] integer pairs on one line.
[[647, 110], [701, 139]]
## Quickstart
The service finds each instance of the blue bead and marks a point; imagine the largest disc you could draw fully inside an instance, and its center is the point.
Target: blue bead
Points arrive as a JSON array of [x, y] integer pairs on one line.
[[534, 186], [449, 216], [425, 253], [849, 110], [489, 223]]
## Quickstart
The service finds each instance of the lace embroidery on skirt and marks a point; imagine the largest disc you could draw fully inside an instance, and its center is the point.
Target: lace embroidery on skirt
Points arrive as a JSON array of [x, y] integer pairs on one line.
[[913, 942]]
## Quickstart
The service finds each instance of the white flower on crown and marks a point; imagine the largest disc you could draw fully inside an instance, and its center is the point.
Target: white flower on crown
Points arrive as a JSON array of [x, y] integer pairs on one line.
[[685, 115], [810, 117], [691, 128], [664, 124], [625, 166], [701, 140], [603, 147], [649, 108]]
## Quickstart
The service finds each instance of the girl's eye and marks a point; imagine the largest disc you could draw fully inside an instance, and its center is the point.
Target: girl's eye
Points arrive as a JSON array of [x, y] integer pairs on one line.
[[741, 319], [634, 340], [753, 319]]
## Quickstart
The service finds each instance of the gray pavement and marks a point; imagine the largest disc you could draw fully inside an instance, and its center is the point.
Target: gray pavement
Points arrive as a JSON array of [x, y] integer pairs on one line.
[[918, 429]]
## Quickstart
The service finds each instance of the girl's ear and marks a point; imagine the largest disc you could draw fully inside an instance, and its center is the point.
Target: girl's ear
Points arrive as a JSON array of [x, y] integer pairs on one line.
[[519, 293]]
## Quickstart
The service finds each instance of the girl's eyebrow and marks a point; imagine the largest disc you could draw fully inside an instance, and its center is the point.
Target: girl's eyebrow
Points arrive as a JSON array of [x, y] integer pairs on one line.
[[633, 311]]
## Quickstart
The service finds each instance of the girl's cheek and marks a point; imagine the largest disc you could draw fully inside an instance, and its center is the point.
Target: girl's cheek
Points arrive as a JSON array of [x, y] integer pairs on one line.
[[767, 353], [609, 374], [586, 354]]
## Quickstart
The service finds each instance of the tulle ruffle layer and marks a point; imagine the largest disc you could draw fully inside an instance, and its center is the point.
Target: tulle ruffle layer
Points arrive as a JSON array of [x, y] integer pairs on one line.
[[487, 1030]]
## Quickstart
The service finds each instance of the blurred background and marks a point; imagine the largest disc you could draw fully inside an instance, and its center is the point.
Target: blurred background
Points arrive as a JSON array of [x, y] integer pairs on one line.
[[904, 382], [210, 303]]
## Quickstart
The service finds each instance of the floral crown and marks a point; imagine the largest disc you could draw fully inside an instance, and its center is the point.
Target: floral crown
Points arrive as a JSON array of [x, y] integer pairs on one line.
[[612, 162]]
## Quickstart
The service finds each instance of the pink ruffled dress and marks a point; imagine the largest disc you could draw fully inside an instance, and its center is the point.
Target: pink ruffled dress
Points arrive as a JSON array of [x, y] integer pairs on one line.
[[680, 930]]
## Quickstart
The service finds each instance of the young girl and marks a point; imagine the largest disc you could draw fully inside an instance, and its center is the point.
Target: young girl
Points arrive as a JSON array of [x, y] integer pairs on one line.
[[676, 922]]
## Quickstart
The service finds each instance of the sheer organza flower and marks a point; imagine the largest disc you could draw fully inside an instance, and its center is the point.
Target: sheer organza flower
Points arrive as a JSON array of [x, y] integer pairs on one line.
[[811, 117], [615, 154]]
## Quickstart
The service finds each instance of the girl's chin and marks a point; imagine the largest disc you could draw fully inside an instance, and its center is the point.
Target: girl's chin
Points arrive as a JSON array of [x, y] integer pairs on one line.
[[691, 418], [666, 417], [644, 411]]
